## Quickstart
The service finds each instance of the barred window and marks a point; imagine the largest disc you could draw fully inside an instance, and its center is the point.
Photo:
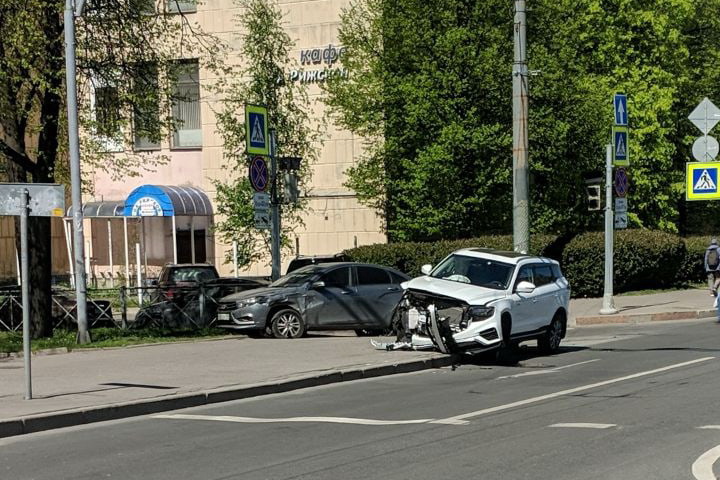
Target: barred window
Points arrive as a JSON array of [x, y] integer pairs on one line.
[[186, 106]]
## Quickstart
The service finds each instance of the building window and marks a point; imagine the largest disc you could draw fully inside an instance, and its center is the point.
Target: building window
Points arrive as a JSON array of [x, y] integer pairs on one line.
[[182, 6], [146, 107], [106, 108], [186, 107]]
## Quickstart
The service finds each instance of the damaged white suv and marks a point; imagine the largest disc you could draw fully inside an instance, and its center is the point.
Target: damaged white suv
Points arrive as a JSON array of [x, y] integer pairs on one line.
[[480, 299]]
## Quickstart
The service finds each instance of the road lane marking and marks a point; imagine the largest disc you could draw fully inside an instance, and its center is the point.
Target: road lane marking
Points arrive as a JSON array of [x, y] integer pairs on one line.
[[548, 370], [462, 419], [583, 425], [352, 421], [702, 469], [709, 427]]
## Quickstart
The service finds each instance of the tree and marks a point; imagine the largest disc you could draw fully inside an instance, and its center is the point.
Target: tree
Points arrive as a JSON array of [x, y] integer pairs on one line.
[[439, 77], [262, 80], [123, 47]]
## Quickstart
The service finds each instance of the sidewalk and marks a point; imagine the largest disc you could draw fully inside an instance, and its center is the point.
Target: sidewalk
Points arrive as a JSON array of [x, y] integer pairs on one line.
[[673, 305], [92, 385]]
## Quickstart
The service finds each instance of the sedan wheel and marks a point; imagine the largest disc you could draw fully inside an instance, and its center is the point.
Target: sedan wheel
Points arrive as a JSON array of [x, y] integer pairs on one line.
[[287, 324], [550, 341]]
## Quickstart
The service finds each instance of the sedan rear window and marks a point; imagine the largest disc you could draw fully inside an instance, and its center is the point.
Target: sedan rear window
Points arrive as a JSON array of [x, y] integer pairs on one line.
[[481, 272], [192, 274]]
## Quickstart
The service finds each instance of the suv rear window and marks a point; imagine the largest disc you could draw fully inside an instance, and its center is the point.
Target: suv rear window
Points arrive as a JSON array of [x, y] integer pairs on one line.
[[192, 274]]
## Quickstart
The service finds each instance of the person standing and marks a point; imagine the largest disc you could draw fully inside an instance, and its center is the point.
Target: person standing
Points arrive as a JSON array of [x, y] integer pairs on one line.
[[712, 266]]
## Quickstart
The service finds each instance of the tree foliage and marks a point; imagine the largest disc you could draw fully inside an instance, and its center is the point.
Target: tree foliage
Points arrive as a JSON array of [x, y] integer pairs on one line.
[[262, 79], [116, 41], [434, 82]]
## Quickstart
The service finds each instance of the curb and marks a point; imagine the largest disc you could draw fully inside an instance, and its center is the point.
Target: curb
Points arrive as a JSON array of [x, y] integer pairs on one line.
[[644, 317], [83, 416], [34, 353]]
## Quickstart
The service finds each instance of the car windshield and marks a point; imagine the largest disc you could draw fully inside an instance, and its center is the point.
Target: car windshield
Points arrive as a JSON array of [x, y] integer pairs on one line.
[[481, 272], [298, 277]]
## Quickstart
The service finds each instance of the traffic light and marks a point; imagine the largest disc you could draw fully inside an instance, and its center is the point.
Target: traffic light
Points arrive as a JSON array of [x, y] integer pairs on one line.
[[291, 192], [594, 199]]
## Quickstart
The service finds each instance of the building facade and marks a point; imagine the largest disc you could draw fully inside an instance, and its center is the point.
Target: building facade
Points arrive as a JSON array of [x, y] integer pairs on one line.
[[167, 213]]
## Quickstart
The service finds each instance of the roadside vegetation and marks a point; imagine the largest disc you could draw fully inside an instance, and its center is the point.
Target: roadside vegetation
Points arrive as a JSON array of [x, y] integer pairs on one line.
[[107, 338]]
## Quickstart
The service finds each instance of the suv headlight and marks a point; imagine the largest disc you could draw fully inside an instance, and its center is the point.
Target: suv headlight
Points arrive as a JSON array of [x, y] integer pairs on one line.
[[250, 301], [480, 312]]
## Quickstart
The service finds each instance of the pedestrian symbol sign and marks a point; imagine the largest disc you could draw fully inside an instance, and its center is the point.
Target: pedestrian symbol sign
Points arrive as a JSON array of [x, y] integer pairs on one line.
[[256, 128], [621, 149], [702, 181]]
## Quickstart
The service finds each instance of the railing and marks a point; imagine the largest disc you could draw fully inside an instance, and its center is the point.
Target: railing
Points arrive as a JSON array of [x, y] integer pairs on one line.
[[123, 307]]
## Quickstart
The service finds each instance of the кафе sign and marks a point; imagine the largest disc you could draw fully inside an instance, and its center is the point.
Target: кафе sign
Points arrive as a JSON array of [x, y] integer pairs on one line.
[[319, 56]]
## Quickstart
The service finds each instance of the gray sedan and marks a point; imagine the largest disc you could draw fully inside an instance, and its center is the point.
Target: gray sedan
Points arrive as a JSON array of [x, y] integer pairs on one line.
[[327, 296]]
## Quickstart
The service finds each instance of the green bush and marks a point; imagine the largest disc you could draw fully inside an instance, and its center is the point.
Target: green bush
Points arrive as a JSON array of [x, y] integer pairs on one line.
[[643, 259], [409, 257]]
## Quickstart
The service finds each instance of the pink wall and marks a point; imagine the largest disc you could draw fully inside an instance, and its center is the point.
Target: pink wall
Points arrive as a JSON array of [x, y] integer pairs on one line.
[[184, 168]]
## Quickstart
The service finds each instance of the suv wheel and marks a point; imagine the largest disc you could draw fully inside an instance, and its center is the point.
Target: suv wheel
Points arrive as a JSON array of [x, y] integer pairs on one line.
[[287, 324], [549, 342]]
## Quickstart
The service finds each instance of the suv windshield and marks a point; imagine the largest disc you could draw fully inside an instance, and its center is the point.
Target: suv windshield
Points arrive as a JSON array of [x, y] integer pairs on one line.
[[298, 277], [476, 271]]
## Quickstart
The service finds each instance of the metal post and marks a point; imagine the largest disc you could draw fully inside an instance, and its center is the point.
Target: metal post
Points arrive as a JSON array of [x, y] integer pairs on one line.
[[521, 201], [110, 254], [274, 210], [174, 239], [235, 258], [192, 239], [25, 269], [83, 335], [123, 307], [88, 266], [127, 254], [139, 273], [608, 306], [68, 244], [17, 268]]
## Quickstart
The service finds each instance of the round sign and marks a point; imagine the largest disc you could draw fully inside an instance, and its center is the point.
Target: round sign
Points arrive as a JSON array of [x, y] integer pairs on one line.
[[147, 207], [622, 184], [705, 149], [258, 174]]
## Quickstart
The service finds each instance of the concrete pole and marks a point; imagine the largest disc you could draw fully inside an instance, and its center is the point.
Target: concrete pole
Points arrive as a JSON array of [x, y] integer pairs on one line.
[[83, 335], [608, 305], [521, 201], [25, 273], [274, 209]]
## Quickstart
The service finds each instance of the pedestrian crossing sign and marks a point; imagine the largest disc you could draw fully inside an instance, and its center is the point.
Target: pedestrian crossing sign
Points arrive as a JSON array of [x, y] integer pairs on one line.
[[702, 181], [621, 150], [256, 130]]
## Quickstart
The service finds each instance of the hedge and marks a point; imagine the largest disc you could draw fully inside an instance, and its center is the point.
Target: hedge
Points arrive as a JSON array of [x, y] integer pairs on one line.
[[643, 259], [409, 257]]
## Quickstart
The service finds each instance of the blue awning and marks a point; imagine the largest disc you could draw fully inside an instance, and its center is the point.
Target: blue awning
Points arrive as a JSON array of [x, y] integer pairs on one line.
[[167, 201]]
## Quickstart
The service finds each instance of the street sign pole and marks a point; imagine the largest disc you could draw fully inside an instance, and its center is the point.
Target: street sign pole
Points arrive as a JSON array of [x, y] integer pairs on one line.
[[25, 276], [608, 305], [274, 209]]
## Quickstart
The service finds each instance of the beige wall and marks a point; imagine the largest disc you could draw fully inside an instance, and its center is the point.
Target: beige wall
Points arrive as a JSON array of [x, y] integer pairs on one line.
[[336, 220]]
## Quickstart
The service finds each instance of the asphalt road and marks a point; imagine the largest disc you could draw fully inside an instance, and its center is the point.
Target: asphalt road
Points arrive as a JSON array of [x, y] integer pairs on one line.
[[622, 402]]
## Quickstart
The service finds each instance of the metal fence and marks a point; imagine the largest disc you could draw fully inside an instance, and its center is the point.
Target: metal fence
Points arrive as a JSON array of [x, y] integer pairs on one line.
[[133, 307]]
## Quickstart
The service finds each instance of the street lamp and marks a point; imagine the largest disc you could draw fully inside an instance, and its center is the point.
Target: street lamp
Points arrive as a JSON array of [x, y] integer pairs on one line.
[[83, 336]]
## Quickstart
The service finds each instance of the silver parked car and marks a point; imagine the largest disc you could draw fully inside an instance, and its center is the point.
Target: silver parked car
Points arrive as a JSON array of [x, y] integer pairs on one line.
[[326, 296]]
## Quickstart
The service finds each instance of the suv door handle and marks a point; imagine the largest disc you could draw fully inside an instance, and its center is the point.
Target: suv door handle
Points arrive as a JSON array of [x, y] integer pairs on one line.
[[393, 289]]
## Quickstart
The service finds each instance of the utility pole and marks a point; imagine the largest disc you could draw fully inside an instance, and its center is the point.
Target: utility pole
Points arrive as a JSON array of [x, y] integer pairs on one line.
[[608, 305], [274, 209], [71, 11], [521, 201]]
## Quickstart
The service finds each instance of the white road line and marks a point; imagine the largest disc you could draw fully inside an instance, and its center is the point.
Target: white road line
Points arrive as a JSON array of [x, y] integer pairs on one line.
[[353, 421], [462, 419], [583, 425], [702, 469], [548, 370], [709, 427]]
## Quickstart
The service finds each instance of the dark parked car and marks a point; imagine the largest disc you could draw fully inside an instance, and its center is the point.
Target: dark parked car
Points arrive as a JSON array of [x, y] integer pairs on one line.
[[303, 260], [326, 296], [176, 301]]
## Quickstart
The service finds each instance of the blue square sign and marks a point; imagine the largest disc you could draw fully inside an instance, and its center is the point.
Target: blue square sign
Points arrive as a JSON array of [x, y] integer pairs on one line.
[[257, 130], [705, 180]]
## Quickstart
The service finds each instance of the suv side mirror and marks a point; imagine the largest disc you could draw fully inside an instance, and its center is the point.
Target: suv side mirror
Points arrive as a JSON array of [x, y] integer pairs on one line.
[[426, 269], [525, 287], [318, 285]]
